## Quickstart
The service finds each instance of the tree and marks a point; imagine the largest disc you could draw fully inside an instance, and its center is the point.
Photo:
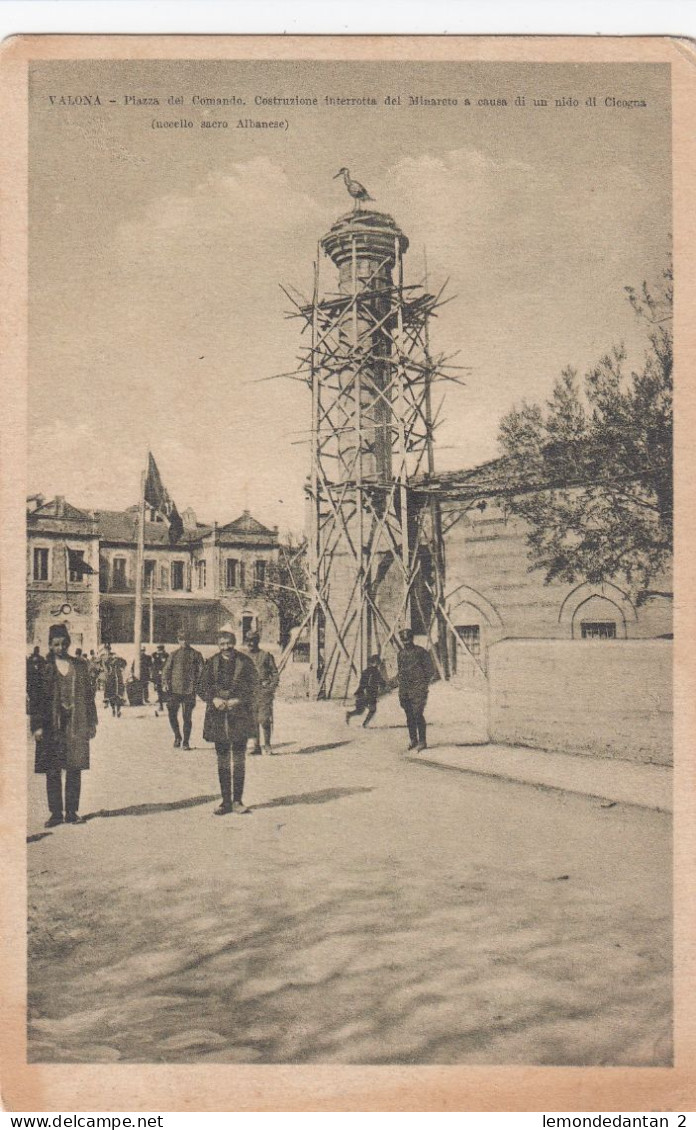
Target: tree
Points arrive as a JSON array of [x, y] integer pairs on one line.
[[591, 471], [285, 583]]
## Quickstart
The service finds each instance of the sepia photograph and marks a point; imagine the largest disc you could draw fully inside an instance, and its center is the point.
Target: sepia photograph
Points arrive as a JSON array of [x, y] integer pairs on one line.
[[348, 559]]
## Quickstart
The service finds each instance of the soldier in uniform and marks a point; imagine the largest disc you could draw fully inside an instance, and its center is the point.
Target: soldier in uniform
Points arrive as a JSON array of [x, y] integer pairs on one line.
[[228, 687], [268, 679], [414, 674], [179, 681]]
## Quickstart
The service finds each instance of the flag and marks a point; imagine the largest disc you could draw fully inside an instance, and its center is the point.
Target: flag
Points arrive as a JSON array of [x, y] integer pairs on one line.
[[176, 526], [76, 563], [157, 496]]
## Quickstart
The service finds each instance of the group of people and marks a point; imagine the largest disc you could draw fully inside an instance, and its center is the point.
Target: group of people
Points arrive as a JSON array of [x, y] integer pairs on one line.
[[414, 674], [105, 672], [238, 689]]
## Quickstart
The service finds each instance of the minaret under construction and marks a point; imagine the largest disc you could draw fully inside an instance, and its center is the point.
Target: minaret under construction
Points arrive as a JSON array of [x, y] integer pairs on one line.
[[370, 374]]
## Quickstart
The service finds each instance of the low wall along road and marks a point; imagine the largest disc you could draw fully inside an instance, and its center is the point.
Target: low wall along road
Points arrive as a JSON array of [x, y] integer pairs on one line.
[[603, 698]]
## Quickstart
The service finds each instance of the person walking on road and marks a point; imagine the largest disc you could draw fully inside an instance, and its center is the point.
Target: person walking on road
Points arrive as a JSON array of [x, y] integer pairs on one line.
[[414, 675], [94, 668], [145, 673], [369, 689], [267, 674], [114, 686], [63, 721], [228, 687], [159, 660], [180, 677]]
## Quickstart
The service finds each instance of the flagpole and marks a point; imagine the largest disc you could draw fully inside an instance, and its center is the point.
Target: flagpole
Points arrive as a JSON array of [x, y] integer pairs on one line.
[[139, 570], [152, 606]]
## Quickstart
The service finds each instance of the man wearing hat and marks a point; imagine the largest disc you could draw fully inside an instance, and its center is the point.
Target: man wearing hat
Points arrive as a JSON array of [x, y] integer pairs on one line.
[[267, 674], [414, 673], [228, 687], [179, 682], [63, 721]]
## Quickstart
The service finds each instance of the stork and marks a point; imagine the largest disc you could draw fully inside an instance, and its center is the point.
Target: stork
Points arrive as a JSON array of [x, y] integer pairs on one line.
[[355, 189]]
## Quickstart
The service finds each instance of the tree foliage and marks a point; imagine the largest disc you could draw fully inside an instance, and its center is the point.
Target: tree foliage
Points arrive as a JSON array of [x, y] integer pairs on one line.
[[285, 583], [591, 470]]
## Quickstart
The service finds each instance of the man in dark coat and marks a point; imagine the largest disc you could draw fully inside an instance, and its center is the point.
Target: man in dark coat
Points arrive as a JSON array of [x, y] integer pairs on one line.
[[267, 674], [415, 672], [228, 687], [145, 673], [63, 721], [159, 660], [369, 689], [179, 682]]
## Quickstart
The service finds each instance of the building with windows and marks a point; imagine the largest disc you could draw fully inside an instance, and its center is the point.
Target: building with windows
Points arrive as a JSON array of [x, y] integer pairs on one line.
[[214, 573], [493, 593], [61, 541]]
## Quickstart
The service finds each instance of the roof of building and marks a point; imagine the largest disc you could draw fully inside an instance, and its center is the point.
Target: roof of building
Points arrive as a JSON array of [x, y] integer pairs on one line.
[[488, 478], [246, 524], [508, 475], [59, 508], [122, 526]]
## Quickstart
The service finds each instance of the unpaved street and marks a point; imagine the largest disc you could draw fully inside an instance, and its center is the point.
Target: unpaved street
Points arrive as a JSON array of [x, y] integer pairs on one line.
[[370, 910]]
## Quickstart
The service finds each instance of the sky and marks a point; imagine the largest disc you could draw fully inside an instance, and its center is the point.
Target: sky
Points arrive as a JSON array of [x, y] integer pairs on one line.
[[156, 254]]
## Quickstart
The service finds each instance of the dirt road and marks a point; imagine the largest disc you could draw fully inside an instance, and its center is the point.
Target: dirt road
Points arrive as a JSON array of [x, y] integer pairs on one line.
[[370, 910]]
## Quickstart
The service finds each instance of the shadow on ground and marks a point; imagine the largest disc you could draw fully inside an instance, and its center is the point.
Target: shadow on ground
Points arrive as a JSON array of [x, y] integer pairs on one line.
[[321, 797], [320, 748], [150, 809]]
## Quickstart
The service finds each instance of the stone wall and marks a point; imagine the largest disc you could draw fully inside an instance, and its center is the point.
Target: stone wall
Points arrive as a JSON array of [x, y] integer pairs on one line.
[[598, 698]]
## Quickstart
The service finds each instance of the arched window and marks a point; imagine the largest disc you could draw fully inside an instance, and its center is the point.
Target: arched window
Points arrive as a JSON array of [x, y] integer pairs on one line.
[[598, 618]]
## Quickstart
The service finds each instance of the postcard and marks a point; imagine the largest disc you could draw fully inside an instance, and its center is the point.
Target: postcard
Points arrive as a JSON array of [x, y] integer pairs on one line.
[[348, 651]]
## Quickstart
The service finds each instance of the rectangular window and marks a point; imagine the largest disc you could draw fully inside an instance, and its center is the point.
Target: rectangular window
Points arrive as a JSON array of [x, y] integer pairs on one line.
[[231, 573], [149, 578], [202, 570], [177, 575], [74, 557], [470, 635], [247, 625], [598, 629], [119, 574], [40, 564], [260, 572]]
